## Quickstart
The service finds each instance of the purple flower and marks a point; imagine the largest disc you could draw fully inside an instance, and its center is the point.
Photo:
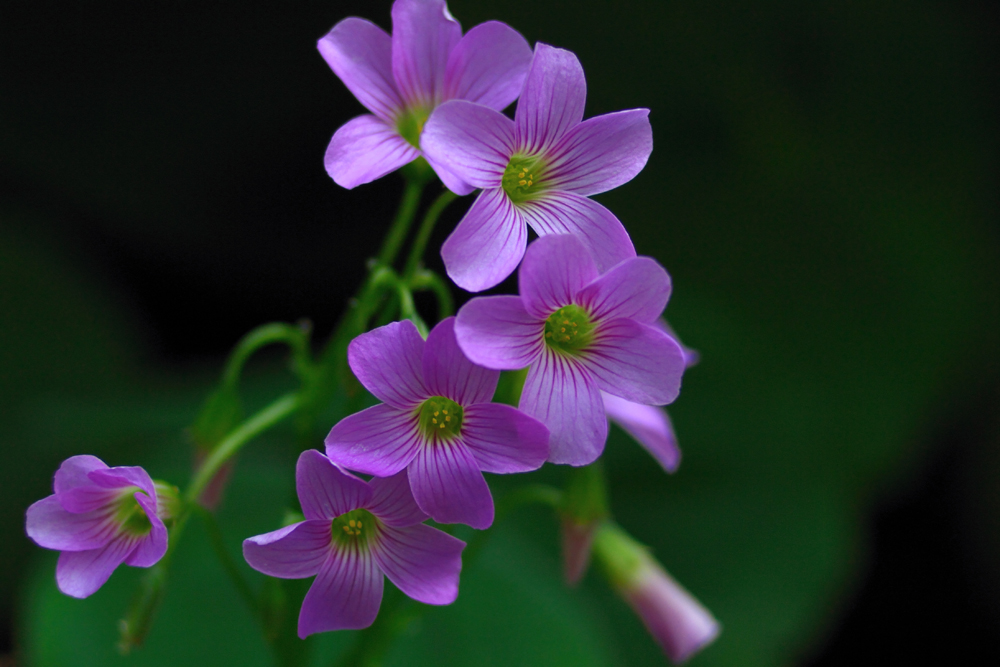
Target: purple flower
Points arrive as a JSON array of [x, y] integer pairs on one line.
[[537, 170], [579, 333], [402, 78], [99, 518], [354, 532], [436, 420]]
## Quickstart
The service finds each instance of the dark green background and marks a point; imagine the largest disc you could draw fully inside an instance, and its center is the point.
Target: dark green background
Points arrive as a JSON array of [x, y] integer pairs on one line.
[[822, 191]]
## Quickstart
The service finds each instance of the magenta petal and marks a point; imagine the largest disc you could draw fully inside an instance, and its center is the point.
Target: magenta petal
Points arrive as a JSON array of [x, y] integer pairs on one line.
[[497, 332], [346, 594], [638, 362], [392, 501], [601, 153], [80, 573], [326, 492], [423, 562], [488, 243], [649, 425], [74, 470], [122, 476], [471, 141], [52, 527], [596, 226], [488, 65], [448, 485], [555, 268], [82, 499], [637, 288], [504, 439], [150, 548], [555, 92], [364, 149], [560, 393], [360, 53], [423, 34], [388, 361], [381, 440], [449, 373], [292, 552]]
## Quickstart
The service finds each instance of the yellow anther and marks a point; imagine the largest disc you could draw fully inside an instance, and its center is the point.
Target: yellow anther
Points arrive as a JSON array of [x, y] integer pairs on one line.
[[359, 525], [442, 425], [347, 530], [437, 412], [445, 411], [529, 181], [562, 330], [447, 419], [522, 182], [433, 419], [352, 523]]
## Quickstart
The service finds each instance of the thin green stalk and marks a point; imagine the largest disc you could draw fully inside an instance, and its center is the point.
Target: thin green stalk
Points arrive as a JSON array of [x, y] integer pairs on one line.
[[425, 279], [424, 233], [267, 334], [401, 225]]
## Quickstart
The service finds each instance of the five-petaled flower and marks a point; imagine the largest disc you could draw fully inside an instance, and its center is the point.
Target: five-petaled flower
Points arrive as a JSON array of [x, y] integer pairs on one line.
[[354, 532], [436, 419], [579, 333], [537, 170], [402, 78], [99, 518]]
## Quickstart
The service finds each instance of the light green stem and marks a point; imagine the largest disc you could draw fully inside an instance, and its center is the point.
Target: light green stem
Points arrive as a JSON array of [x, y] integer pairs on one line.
[[424, 233]]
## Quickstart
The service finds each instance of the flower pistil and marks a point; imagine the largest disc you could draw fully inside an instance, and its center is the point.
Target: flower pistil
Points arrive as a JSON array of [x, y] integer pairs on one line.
[[569, 330], [523, 178], [440, 418]]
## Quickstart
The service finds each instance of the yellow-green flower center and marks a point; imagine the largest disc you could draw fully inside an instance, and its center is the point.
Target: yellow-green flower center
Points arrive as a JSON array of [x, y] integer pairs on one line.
[[440, 418], [569, 330], [410, 124], [130, 515], [522, 179], [355, 526]]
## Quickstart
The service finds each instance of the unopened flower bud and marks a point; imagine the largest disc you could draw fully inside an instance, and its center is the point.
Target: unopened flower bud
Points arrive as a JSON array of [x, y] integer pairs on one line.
[[678, 622]]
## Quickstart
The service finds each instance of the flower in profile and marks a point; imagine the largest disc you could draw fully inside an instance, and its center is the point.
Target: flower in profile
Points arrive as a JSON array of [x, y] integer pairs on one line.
[[402, 78], [538, 170], [99, 518], [677, 621], [354, 532], [436, 420], [579, 333]]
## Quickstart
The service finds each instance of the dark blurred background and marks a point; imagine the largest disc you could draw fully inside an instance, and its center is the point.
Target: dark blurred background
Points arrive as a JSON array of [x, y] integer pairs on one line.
[[823, 190]]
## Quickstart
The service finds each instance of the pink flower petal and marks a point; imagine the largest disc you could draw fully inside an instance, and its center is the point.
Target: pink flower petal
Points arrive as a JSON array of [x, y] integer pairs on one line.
[[83, 499], [360, 53], [488, 66], [292, 552], [649, 425], [448, 485], [555, 268], [601, 153], [74, 470], [555, 92], [637, 288], [497, 332], [423, 34], [569, 213], [504, 439], [80, 573], [449, 373], [471, 141], [561, 394], [421, 561], [346, 594], [122, 476], [326, 492], [52, 527], [381, 440], [150, 548], [392, 501], [364, 149], [388, 361], [638, 362], [488, 243]]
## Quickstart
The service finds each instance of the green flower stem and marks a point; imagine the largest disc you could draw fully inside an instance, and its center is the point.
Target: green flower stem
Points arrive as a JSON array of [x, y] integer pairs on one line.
[[425, 279], [424, 233], [401, 225], [295, 337]]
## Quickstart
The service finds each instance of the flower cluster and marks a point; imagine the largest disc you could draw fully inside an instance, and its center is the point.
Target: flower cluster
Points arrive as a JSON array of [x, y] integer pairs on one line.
[[584, 329]]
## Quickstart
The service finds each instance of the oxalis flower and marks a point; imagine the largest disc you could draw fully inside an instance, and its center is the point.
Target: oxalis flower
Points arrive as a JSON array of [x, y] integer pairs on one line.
[[402, 78], [579, 333], [99, 518], [537, 170], [436, 420], [354, 532]]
